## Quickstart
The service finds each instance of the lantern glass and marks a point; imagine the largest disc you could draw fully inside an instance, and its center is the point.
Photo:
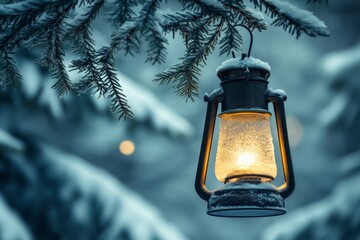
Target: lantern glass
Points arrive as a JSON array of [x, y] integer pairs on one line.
[[245, 148]]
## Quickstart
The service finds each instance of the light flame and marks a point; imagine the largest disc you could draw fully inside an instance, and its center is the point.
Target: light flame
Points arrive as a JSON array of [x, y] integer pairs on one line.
[[246, 159], [245, 146]]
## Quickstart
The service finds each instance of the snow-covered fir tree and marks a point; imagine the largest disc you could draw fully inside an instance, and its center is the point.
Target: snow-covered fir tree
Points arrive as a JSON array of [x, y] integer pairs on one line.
[[37, 165], [65, 198], [46, 27], [336, 215]]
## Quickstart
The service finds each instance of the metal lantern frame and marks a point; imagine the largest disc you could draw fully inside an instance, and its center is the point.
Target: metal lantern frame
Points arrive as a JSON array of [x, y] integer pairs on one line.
[[245, 89]]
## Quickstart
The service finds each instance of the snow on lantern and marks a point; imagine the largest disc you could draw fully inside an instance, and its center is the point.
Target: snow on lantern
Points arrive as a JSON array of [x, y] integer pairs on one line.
[[245, 158]]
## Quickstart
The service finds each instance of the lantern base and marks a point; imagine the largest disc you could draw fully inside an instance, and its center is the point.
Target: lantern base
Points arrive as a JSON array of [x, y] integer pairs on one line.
[[246, 199]]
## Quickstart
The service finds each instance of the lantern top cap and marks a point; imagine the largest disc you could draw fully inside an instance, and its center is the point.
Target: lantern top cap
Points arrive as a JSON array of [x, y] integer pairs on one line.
[[248, 62]]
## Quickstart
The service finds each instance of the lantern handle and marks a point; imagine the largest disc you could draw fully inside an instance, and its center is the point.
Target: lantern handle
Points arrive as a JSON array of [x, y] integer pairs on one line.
[[200, 182], [277, 97], [251, 41]]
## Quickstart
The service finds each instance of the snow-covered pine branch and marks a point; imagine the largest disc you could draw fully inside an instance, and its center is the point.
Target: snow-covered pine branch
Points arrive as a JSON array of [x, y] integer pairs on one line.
[[63, 197], [336, 216], [292, 19], [148, 109], [50, 26]]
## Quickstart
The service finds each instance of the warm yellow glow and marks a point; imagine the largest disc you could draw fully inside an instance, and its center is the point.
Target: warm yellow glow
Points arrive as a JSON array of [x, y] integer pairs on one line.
[[127, 147], [246, 159], [245, 147]]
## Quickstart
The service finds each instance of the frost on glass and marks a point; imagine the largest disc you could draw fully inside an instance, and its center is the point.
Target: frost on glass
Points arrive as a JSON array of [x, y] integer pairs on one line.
[[245, 147]]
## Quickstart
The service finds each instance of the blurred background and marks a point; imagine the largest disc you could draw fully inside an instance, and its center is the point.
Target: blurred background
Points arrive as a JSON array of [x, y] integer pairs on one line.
[[70, 170]]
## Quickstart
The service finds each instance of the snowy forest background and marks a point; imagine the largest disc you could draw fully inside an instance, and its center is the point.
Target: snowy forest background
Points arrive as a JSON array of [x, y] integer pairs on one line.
[[62, 175]]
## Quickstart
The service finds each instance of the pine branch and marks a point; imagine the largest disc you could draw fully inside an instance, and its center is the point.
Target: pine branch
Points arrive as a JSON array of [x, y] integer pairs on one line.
[[22, 15], [56, 52], [44, 24], [92, 81], [147, 14], [122, 11], [23, 23], [291, 19], [107, 69], [244, 15], [180, 21], [9, 36], [126, 40], [21, 8], [214, 8], [252, 19], [10, 76], [145, 24], [79, 30], [205, 13], [184, 76], [232, 41], [57, 69], [157, 49], [83, 21]]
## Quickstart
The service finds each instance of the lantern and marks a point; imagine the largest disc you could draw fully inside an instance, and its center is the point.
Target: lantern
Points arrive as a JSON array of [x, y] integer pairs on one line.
[[245, 158]]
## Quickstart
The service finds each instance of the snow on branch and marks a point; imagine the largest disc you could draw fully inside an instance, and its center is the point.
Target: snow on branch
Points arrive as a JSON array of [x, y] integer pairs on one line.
[[336, 216], [292, 19], [148, 108], [23, 7], [11, 225], [8, 142], [50, 26], [341, 70], [213, 6], [63, 197]]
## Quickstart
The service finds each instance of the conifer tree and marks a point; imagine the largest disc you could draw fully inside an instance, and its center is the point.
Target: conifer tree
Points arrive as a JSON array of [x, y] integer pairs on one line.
[[50, 26]]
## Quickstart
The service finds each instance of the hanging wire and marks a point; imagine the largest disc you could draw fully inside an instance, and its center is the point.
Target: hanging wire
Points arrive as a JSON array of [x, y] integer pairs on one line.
[[251, 40]]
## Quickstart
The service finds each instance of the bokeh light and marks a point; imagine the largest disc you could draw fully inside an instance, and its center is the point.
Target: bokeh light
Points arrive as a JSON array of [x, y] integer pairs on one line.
[[127, 147]]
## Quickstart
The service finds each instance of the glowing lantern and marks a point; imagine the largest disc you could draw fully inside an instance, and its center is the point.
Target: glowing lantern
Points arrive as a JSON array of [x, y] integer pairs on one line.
[[245, 158]]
